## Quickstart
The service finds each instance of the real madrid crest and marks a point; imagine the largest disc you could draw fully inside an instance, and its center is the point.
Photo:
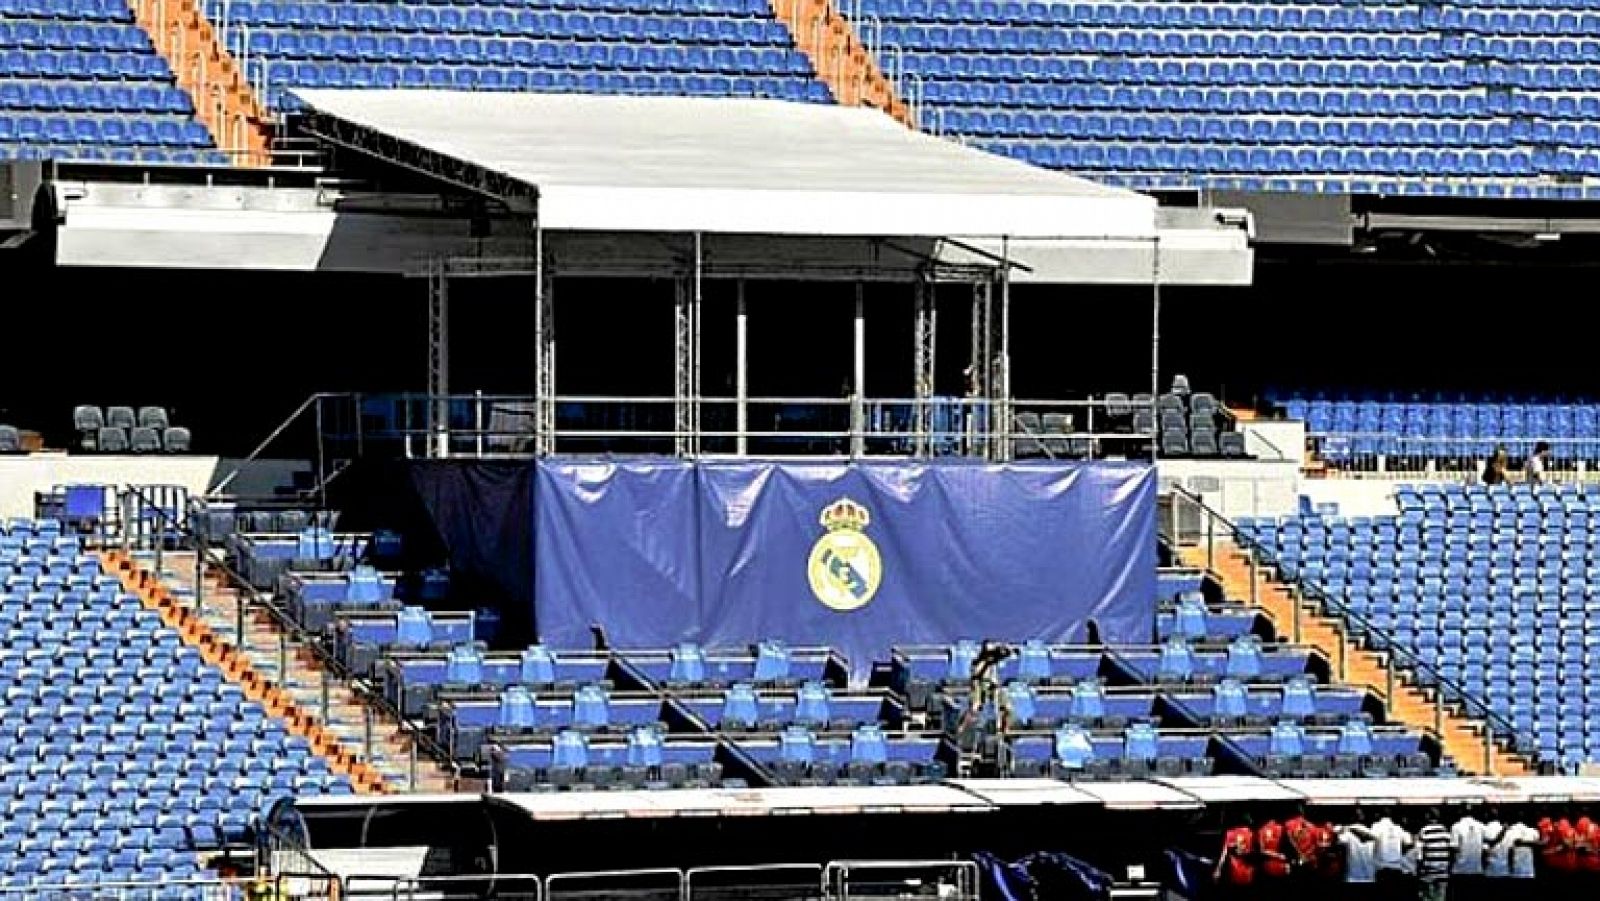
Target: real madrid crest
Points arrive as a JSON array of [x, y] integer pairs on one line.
[[844, 568]]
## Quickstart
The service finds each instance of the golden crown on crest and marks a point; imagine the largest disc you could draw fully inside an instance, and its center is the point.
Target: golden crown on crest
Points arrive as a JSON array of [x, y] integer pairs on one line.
[[845, 513]]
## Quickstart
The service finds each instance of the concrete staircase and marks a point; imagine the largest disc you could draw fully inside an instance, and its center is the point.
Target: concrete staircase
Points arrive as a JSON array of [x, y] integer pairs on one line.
[[1463, 739], [840, 58], [362, 730], [224, 101]]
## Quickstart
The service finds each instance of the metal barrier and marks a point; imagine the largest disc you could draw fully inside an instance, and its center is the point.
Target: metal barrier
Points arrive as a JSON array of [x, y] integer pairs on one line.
[[443, 888], [662, 884], [759, 882], [948, 880], [1206, 526]]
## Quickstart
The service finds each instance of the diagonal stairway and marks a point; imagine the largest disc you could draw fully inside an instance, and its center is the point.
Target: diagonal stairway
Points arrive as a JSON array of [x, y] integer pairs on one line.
[[1463, 739], [840, 58], [362, 729]]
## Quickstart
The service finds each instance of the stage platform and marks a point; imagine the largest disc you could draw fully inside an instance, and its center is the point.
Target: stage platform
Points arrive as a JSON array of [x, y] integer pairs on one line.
[[773, 829]]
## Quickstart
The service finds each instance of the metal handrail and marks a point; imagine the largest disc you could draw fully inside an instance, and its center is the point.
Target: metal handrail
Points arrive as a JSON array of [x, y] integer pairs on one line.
[[291, 630], [1467, 703]]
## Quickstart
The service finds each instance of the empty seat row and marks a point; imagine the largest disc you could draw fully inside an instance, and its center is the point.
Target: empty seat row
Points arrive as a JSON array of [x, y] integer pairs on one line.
[[164, 132], [356, 21], [93, 97], [47, 35], [338, 75], [75, 64]]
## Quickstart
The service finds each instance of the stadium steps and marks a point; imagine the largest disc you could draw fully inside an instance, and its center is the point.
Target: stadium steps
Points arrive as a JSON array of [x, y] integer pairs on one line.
[[840, 57], [224, 101], [239, 668], [1463, 739], [266, 643]]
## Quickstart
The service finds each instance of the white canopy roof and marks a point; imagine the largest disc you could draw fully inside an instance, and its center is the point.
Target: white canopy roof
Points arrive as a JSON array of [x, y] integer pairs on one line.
[[727, 166]]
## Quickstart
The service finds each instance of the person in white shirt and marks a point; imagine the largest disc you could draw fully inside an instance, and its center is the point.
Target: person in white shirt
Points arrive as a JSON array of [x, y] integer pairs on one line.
[[1533, 467], [1356, 840], [1467, 838], [1394, 866], [1511, 856]]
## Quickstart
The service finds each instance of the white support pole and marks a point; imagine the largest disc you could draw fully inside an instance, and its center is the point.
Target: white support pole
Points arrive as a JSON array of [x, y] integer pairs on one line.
[[694, 343], [1003, 386], [1155, 348], [438, 442], [858, 380], [742, 370]]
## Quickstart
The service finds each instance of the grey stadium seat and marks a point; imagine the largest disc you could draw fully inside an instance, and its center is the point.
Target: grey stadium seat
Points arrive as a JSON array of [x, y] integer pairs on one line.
[[1118, 406], [1174, 442], [1231, 444], [10, 440], [87, 421], [176, 440], [153, 418], [145, 441], [121, 418], [1026, 429], [1203, 444], [112, 440]]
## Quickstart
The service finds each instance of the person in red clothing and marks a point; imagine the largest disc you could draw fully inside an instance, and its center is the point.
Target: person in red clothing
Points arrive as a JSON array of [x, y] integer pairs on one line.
[[1272, 848], [1301, 834], [1559, 856], [1236, 865], [1588, 838], [1330, 857]]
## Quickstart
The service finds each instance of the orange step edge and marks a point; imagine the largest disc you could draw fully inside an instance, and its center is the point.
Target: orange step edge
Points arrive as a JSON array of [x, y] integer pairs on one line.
[[1460, 737], [138, 580]]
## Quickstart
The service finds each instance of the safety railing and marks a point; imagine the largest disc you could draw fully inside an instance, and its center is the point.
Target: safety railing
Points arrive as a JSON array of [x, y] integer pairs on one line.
[[444, 888], [335, 429], [947, 880], [173, 532], [1192, 522]]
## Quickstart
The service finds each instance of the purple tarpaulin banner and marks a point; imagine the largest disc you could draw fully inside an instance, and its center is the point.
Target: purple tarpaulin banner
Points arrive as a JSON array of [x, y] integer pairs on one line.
[[859, 557]]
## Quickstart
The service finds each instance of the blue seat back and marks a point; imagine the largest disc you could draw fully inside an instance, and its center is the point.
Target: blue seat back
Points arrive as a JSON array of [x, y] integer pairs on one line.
[[1244, 658], [867, 745], [1229, 698], [739, 705], [365, 585], [516, 709], [1191, 616], [1033, 663], [688, 663], [1299, 698], [571, 750], [591, 707], [644, 747], [795, 745], [1088, 700], [811, 708], [1073, 747], [1140, 742], [772, 661], [1020, 697], [1287, 740], [1177, 660], [464, 666], [413, 627], [315, 543], [1355, 737], [961, 655], [538, 666]]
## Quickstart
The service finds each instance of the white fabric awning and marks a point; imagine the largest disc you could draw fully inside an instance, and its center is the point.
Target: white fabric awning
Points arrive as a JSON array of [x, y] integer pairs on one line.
[[725, 166]]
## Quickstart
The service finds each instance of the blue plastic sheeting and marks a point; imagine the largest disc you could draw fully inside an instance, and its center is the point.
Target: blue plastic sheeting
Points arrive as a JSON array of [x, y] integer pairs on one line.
[[859, 557]]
